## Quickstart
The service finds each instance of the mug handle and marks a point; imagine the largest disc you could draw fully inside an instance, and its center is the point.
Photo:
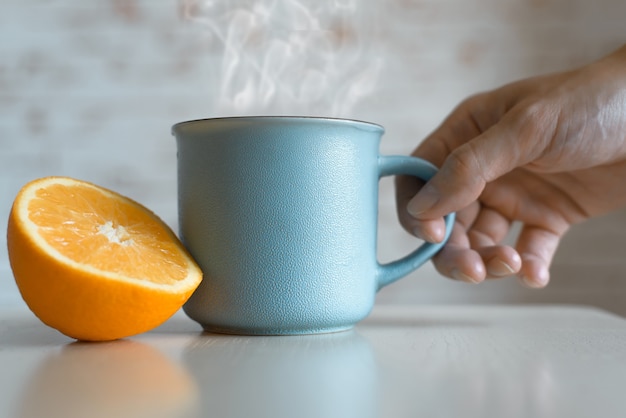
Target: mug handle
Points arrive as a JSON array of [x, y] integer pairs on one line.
[[398, 164]]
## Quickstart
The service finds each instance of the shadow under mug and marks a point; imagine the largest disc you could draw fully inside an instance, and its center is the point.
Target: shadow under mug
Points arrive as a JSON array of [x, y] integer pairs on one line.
[[281, 215]]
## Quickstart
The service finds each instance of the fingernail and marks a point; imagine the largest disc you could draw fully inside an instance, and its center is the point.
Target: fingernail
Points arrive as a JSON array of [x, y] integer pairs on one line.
[[500, 268], [420, 233], [538, 283], [529, 282], [425, 199], [458, 275]]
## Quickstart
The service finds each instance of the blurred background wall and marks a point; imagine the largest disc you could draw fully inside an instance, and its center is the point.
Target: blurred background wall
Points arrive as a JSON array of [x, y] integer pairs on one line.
[[91, 89]]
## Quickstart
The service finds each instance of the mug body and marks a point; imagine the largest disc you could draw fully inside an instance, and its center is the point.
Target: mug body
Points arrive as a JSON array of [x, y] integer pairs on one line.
[[281, 215]]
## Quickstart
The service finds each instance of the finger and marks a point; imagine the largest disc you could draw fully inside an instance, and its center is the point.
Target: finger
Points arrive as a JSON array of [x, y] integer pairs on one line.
[[434, 230], [537, 247], [500, 261], [512, 142], [460, 263], [457, 259], [485, 235], [431, 231], [406, 188], [458, 128], [489, 229]]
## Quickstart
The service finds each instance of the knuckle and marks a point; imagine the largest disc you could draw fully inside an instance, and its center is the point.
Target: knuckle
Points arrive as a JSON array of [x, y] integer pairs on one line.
[[534, 118], [465, 162]]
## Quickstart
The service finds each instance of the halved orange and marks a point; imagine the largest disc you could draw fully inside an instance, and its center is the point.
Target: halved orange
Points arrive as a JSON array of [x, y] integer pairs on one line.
[[94, 264]]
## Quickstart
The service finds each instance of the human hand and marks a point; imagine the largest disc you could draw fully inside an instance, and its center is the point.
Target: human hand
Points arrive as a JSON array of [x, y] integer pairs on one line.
[[548, 152]]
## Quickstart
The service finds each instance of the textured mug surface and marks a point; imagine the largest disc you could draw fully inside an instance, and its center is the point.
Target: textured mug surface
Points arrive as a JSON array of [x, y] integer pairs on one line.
[[281, 215]]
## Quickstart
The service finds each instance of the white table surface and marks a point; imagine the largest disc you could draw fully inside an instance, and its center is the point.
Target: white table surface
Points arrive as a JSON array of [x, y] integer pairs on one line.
[[415, 361]]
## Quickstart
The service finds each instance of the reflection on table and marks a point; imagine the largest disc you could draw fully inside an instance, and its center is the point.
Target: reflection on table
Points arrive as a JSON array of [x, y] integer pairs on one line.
[[445, 361], [114, 379], [327, 375]]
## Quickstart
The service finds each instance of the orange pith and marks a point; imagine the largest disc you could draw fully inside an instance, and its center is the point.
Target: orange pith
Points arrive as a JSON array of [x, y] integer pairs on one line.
[[94, 264]]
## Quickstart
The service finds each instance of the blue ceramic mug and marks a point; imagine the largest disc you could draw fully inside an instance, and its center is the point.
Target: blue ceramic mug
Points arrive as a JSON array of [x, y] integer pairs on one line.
[[281, 215]]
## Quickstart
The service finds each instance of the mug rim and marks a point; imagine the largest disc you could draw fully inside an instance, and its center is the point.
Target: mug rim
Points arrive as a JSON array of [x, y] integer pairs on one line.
[[362, 123]]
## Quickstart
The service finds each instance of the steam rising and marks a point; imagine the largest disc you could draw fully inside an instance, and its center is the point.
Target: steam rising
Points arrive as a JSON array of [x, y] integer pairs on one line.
[[288, 56]]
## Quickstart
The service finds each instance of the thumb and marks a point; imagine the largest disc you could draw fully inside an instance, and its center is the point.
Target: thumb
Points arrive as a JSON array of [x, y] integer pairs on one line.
[[468, 168]]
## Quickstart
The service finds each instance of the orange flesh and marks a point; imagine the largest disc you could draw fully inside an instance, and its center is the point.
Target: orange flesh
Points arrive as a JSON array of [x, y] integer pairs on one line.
[[110, 235]]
